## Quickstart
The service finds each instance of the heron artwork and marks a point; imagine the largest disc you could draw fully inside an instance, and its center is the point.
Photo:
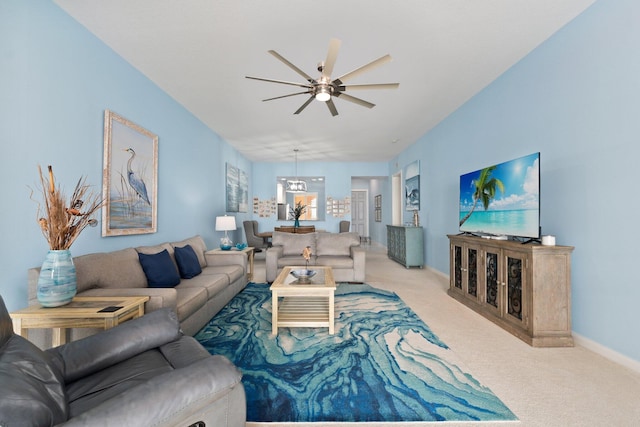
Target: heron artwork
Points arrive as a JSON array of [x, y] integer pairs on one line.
[[135, 181]]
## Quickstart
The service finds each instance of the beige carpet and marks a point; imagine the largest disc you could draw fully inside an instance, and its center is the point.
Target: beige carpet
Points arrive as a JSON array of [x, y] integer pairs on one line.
[[542, 386]]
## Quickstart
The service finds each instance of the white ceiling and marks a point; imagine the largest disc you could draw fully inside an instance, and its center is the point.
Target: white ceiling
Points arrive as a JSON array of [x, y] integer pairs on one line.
[[444, 52]]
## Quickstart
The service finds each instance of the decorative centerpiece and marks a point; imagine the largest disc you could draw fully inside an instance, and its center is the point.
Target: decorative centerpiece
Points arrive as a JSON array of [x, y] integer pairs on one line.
[[306, 254], [296, 213], [61, 223], [304, 276]]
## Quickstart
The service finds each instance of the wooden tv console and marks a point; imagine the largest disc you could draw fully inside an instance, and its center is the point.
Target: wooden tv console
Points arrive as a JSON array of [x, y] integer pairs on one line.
[[524, 288]]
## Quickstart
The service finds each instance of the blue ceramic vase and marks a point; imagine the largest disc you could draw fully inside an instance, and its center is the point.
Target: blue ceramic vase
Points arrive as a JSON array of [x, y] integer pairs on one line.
[[57, 284], [296, 223]]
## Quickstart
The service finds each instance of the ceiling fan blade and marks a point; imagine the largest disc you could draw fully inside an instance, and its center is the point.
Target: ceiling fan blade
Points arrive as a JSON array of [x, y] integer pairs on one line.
[[371, 65], [293, 67], [332, 55], [354, 100], [371, 86], [286, 96], [279, 81], [307, 102], [332, 107]]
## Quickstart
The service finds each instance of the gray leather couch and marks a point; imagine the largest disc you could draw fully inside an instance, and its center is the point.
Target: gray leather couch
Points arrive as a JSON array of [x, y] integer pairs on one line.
[[341, 251], [120, 273], [141, 373]]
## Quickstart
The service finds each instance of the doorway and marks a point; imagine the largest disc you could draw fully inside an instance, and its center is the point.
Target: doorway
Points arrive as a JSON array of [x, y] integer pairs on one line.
[[360, 212], [396, 198]]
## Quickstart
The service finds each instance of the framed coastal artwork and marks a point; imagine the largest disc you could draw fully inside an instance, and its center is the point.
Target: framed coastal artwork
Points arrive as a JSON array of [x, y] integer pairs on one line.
[[237, 188], [129, 178], [412, 186]]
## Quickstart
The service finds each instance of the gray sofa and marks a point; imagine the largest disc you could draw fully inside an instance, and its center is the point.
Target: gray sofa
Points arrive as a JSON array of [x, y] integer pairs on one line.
[[120, 273], [141, 373], [341, 251]]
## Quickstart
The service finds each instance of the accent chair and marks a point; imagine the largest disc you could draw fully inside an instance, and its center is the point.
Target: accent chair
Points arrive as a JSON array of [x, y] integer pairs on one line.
[[254, 238]]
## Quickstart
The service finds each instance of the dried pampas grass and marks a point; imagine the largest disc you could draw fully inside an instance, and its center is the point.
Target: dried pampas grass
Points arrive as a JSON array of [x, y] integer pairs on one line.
[[62, 223]]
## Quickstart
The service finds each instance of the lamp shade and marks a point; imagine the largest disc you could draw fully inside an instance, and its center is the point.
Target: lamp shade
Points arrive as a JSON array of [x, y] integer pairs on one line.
[[225, 223]]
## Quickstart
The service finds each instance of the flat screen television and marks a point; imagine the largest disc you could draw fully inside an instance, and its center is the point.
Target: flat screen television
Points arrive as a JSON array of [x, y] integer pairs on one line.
[[503, 199]]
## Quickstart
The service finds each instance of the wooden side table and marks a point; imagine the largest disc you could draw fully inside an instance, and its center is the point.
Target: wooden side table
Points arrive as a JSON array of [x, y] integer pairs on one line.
[[250, 251], [81, 312]]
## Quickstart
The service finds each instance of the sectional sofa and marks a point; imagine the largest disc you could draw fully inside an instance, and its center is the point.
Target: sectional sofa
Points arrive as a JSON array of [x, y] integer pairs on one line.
[[195, 283]]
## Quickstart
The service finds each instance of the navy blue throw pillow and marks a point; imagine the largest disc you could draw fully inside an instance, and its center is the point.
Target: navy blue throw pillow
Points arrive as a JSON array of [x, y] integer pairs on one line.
[[160, 270], [188, 263]]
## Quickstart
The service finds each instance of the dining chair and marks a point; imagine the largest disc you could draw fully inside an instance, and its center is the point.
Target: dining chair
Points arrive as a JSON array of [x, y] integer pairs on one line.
[[253, 238]]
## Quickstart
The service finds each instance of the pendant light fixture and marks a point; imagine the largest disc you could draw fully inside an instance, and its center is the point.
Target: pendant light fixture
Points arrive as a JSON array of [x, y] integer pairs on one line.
[[296, 185]]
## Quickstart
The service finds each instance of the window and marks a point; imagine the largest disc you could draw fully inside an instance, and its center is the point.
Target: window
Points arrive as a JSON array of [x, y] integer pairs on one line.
[[310, 200]]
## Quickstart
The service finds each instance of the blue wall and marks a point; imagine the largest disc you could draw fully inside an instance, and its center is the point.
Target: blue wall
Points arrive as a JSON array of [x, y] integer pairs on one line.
[[56, 81], [574, 99]]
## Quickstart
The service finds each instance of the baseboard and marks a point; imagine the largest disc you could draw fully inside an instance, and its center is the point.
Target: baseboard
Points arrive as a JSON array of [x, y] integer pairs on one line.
[[438, 272], [606, 352], [591, 345]]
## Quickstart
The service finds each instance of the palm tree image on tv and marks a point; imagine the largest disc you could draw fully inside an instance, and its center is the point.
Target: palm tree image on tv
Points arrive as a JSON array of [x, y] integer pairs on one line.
[[509, 192], [485, 190]]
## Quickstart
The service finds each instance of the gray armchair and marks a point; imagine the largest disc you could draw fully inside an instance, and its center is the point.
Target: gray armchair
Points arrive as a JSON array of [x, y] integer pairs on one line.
[[344, 226], [142, 372], [254, 238]]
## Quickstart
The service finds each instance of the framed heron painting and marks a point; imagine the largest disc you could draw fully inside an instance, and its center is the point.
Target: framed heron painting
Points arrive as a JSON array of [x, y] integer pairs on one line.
[[129, 178]]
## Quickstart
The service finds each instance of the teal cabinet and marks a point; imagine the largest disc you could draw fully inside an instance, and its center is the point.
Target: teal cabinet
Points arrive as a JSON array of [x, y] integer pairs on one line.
[[406, 245]]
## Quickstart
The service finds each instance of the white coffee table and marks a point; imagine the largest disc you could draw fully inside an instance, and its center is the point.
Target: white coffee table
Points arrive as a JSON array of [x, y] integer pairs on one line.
[[303, 305]]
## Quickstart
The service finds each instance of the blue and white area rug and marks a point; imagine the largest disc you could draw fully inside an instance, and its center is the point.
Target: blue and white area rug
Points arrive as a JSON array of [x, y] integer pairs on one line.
[[382, 364]]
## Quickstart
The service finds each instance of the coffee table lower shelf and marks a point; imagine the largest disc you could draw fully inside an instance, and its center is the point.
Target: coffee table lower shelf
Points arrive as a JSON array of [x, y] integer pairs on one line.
[[315, 312]]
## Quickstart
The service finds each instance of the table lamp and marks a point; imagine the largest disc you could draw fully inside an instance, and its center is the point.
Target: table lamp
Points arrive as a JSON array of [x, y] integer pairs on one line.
[[225, 223]]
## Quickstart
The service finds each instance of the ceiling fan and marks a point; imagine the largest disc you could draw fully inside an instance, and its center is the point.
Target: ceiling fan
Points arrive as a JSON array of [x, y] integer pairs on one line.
[[324, 88]]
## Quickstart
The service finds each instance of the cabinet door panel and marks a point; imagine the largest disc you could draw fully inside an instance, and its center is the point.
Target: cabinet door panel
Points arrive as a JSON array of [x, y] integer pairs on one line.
[[457, 266], [472, 272], [515, 287], [492, 279], [401, 246]]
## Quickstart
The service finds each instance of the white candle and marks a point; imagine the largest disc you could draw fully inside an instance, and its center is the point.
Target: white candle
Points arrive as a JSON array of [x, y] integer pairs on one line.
[[549, 240]]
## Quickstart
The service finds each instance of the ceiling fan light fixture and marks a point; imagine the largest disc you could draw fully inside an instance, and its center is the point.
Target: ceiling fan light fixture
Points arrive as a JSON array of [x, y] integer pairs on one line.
[[323, 94], [325, 87]]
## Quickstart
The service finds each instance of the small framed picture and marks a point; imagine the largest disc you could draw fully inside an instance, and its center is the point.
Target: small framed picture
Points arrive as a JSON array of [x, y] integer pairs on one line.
[[378, 208]]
